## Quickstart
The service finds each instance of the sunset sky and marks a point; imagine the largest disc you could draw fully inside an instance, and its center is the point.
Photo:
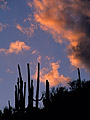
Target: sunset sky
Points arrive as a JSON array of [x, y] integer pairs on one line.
[[55, 33]]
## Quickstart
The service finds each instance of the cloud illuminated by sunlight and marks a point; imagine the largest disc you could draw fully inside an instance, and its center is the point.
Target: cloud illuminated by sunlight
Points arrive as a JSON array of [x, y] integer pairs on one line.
[[66, 20], [16, 48], [26, 30], [52, 74]]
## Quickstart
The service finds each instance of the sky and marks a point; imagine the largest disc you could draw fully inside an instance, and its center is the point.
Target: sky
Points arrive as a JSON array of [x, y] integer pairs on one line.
[[55, 33]]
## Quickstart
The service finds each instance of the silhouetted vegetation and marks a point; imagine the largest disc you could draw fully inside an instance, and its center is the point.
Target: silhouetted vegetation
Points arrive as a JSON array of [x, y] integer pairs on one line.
[[61, 102]]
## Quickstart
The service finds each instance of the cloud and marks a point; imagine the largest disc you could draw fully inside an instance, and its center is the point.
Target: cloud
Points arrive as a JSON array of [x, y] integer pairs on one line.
[[35, 52], [27, 30], [16, 48], [66, 20], [3, 4], [3, 26], [39, 59], [52, 74], [49, 58]]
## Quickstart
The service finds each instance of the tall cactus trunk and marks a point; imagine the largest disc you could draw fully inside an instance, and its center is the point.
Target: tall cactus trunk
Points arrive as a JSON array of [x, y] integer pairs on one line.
[[16, 98], [9, 107], [79, 79], [18, 89], [20, 76], [28, 69], [37, 90], [24, 94], [31, 103], [9, 104], [47, 93], [21, 88]]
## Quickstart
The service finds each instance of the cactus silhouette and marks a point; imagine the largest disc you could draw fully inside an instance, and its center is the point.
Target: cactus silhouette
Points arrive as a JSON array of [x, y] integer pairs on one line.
[[79, 78], [30, 89], [69, 101], [47, 93], [37, 89], [19, 93]]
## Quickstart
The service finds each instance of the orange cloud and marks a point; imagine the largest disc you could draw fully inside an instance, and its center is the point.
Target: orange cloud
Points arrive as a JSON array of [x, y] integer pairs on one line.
[[3, 26], [27, 30], [15, 47], [54, 18], [52, 74], [66, 20], [48, 21]]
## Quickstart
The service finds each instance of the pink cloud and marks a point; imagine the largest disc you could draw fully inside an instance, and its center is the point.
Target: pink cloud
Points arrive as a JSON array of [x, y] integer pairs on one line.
[[35, 52]]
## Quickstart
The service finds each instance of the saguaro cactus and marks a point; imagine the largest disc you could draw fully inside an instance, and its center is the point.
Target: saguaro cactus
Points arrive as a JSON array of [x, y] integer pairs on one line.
[[16, 98], [20, 91], [30, 89], [37, 89], [79, 79], [47, 93], [9, 106], [24, 96], [28, 69], [19, 94]]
